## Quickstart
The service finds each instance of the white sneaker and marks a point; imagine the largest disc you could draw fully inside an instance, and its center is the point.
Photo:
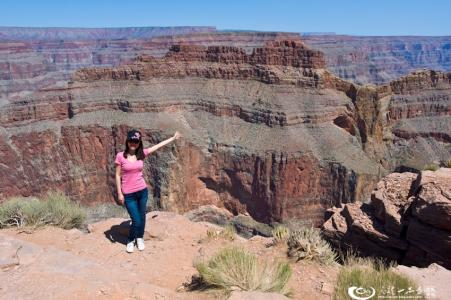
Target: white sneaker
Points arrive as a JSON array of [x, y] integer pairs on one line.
[[140, 243], [130, 246]]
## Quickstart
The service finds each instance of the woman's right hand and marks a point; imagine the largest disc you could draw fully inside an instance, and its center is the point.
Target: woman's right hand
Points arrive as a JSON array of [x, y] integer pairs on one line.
[[120, 199]]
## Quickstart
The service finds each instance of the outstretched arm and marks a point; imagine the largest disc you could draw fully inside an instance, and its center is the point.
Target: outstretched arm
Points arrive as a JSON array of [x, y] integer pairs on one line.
[[163, 143]]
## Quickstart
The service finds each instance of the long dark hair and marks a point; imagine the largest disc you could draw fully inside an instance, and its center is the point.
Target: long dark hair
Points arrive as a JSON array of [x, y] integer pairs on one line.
[[139, 151]]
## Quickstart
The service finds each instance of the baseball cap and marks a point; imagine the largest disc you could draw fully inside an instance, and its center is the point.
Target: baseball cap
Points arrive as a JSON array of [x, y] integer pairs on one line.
[[134, 135]]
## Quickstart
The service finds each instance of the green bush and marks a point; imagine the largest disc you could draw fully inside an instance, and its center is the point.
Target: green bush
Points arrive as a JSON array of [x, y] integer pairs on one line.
[[234, 268], [307, 244], [56, 209], [370, 273]]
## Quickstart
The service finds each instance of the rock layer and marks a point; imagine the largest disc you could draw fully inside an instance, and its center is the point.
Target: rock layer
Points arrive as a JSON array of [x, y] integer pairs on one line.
[[47, 61], [380, 59]]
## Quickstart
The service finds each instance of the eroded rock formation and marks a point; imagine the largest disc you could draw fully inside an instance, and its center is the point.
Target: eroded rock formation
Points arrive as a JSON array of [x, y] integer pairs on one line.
[[408, 220], [32, 59]]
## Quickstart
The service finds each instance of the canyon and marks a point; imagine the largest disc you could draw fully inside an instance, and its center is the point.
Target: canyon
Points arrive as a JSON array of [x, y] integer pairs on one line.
[[380, 59], [34, 58], [266, 128]]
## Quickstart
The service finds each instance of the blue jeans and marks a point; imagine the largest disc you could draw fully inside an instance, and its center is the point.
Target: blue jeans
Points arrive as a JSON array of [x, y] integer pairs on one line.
[[136, 206]]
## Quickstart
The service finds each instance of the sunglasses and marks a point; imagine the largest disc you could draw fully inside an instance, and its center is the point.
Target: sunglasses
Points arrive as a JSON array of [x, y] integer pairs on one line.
[[133, 141]]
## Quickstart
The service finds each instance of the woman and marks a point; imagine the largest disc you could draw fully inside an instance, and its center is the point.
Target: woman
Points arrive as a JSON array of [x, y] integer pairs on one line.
[[131, 187]]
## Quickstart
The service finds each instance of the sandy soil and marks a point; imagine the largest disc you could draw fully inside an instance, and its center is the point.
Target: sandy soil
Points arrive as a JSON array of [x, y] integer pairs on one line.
[[55, 263]]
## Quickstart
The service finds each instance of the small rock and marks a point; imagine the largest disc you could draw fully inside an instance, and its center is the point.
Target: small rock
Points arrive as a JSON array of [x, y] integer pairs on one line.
[[327, 288]]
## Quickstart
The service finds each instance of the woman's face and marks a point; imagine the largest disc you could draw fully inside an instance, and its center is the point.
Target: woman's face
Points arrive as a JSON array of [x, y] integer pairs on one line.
[[133, 145]]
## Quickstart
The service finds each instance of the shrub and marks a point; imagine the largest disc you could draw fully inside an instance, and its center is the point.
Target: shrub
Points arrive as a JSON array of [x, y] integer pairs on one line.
[[307, 244], [228, 233], [369, 273], [234, 268], [64, 212], [280, 234], [56, 209], [13, 212], [448, 163], [430, 167]]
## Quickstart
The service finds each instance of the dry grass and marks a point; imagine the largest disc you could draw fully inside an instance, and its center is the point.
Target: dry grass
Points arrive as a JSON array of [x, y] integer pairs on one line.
[[280, 234], [235, 269], [370, 273], [307, 244], [55, 209], [227, 233]]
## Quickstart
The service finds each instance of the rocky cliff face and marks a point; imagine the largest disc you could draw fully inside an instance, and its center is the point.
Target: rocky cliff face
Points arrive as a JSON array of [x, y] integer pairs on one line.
[[267, 131], [408, 220], [381, 59]]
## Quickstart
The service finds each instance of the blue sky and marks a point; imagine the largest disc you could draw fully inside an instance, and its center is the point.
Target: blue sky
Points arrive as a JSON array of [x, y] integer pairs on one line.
[[358, 17]]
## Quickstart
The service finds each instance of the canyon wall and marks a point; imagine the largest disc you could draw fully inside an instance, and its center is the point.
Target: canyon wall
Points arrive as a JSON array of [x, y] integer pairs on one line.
[[35, 58], [267, 130], [380, 59], [41, 60]]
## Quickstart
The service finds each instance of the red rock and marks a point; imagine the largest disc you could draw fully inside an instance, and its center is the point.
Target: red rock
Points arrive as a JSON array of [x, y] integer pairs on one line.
[[211, 214], [398, 223], [391, 199], [433, 205], [436, 243]]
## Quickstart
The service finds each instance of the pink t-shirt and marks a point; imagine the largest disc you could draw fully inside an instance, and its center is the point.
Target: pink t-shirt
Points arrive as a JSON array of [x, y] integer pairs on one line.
[[132, 179]]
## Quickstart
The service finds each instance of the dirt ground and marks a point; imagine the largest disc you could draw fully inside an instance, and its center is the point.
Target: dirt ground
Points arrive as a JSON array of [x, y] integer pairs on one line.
[[54, 263]]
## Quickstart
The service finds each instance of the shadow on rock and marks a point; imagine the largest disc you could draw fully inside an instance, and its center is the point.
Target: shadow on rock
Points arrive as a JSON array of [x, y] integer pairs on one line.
[[118, 233]]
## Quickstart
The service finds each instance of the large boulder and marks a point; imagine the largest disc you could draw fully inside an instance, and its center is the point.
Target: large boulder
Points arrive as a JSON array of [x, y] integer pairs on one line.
[[211, 214], [247, 227], [390, 200], [408, 220], [433, 204]]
